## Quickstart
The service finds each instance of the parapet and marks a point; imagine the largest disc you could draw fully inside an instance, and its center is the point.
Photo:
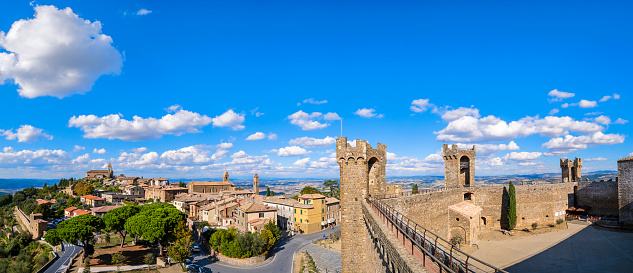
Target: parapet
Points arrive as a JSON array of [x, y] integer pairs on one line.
[[362, 150], [454, 152]]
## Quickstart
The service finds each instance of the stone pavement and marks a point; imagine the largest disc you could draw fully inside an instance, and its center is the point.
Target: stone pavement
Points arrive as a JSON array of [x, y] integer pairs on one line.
[[326, 260], [580, 248]]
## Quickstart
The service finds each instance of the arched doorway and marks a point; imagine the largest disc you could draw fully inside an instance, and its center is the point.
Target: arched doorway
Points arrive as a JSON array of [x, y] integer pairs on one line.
[[372, 170], [573, 174], [576, 196], [483, 222], [464, 171]]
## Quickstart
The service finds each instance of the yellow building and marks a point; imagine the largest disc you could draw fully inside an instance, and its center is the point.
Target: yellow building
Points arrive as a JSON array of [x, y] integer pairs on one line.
[[309, 213]]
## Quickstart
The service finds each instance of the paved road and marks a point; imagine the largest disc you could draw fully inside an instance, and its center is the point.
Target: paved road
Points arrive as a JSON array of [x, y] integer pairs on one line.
[[64, 258], [326, 260], [281, 262]]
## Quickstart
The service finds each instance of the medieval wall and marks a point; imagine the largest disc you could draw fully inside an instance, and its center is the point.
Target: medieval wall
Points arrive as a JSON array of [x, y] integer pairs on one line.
[[601, 195], [625, 190]]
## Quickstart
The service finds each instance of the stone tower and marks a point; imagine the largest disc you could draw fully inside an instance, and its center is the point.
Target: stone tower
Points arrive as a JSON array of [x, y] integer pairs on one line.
[[110, 171], [256, 184], [625, 191], [225, 177], [459, 166], [362, 173], [571, 170]]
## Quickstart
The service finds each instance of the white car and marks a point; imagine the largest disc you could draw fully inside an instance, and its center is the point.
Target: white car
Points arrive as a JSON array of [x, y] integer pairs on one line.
[[195, 248]]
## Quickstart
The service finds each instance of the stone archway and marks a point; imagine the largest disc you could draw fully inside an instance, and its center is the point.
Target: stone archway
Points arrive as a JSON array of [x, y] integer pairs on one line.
[[464, 171]]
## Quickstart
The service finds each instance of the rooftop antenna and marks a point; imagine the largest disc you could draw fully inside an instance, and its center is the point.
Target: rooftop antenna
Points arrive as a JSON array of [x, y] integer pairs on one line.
[[341, 127]]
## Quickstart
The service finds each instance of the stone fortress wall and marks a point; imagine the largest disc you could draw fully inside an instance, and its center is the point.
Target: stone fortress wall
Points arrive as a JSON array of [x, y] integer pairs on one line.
[[601, 195]]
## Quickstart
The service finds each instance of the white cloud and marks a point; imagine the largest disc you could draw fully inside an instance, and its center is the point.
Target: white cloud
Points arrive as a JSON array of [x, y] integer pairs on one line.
[[256, 136], [587, 104], [313, 101], [331, 116], [256, 113], [56, 54], [28, 157], [292, 151], [460, 112], [307, 121], [521, 156], [26, 133], [222, 151], [302, 162], [78, 148], [143, 12], [596, 159], [559, 95], [489, 149], [310, 142], [420, 105], [113, 127], [593, 113], [186, 156], [229, 119], [606, 98], [242, 157], [173, 109], [432, 162], [436, 157], [603, 120], [569, 143], [565, 105], [82, 159], [620, 121], [554, 111], [491, 128], [99, 151], [368, 113], [139, 150], [272, 136]]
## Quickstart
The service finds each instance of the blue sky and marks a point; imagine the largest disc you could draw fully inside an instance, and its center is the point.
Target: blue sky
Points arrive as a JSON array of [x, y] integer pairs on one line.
[[191, 89]]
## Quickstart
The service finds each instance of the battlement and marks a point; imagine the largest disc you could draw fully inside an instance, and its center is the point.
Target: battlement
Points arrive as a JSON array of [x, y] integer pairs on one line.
[[565, 162], [362, 150], [571, 170], [459, 166]]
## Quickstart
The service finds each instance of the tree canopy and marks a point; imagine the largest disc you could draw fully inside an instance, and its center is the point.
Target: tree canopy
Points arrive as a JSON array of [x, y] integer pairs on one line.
[[309, 190], [115, 219], [415, 190], [512, 207], [77, 230], [83, 189], [155, 222]]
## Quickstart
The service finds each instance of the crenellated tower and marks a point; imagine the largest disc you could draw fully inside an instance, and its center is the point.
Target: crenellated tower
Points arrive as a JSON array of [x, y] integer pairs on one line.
[[362, 171], [459, 166], [571, 170]]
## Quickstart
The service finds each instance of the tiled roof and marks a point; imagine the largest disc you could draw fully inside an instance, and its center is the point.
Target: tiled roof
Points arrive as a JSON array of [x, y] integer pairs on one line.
[[281, 201], [466, 208], [92, 197], [210, 183], [70, 209], [78, 212], [99, 171], [104, 208], [331, 200], [311, 196]]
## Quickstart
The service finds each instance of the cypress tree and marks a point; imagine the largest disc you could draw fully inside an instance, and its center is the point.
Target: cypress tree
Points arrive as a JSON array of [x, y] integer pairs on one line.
[[512, 207], [415, 189]]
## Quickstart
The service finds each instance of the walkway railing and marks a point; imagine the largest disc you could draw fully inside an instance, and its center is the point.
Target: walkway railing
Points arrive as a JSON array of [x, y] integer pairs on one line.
[[441, 252]]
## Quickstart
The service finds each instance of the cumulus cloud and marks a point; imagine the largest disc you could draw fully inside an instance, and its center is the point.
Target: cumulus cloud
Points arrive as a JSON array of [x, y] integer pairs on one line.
[[173, 109], [310, 142], [491, 128], [32, 158], [554, 111], [99, 151], [408, 164], [26, 133], [272, 136], [56, 54], [368, 113], [307, 121], [242, 158], [489, 149], [460, 112], [603, 120], [620, 121], [139, 150], [569, 143], [587, 104], [331, 116], [82, 159], [78, 148], [521, 156], [195, 154], [143, 12], [559, 95], [606, 98], [229, 119], [313, 101], [256, 112], [292, 151], [420, 105], [256, 136], [114, 127]]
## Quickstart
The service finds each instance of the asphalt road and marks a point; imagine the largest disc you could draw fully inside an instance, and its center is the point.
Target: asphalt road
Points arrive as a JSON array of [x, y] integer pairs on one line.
[[281, 262], [64, 258]]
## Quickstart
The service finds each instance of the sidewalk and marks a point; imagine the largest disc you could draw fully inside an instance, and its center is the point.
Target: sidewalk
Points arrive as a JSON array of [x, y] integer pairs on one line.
[[114, 268]]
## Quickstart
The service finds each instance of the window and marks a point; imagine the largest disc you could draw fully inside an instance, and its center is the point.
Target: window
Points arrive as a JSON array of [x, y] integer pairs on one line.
[[322, 201], [295, 210], [322, 210], [301, 211], [322, 218], [301, 220], [261, 215]]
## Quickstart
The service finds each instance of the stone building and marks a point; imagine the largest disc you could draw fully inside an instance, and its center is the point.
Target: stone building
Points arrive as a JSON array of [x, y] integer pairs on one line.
[[333, 211], [209, 187], [256, 184], [285, 208], [97, 174], [252, 216], [92, 200], [164, 194], [625, 191]]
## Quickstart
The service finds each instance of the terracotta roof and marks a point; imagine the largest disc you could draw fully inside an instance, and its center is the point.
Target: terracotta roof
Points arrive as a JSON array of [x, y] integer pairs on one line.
[[256, 220], [630, 158], [311, 196], [78, 212], [210, 183], [42, 201], [281, 201], [92, 197], [70, 209], [466, 208], [104, 208], [257, 207], [331, 200]]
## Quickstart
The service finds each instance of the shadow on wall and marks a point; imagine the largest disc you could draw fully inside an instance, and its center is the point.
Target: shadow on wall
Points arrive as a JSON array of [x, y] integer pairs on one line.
[[594, 249], [505, 198]]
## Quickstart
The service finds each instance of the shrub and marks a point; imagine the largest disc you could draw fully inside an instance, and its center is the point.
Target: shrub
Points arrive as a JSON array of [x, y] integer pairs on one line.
[[559, 221], [534, 225], [457, 239]]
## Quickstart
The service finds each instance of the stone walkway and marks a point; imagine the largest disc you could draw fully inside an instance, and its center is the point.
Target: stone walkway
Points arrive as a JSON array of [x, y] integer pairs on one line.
[[580, 248], [326, 260], [114, 268]]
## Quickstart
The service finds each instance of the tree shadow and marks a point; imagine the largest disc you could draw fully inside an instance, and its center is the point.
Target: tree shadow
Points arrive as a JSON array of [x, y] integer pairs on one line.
[[505, 199]]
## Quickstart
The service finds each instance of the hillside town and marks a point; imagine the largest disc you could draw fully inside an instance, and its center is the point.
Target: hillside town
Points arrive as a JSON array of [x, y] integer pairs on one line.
[[212, 216]]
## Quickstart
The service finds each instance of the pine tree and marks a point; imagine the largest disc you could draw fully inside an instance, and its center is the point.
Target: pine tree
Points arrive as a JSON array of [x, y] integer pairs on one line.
[[512, 207], [415, 189]]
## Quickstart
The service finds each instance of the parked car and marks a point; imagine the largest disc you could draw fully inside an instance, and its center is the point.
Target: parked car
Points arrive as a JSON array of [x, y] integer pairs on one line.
[[188, 261], [195, 248], [194, 268]]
